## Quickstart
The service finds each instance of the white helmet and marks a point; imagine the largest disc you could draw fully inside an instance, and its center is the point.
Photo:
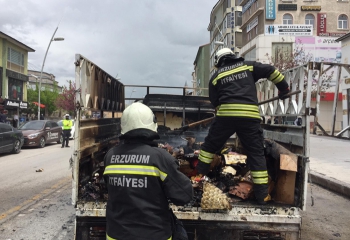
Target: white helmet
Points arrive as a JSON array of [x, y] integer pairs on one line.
[[138, 115], [222, 52], [67, 115]]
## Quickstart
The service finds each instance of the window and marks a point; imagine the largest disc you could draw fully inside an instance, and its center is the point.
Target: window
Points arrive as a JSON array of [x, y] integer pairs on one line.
[[310, 19], [15, 89], [343, 22], [15, 57], [281, 51], [5, 128], [48, 125], [287, 19]]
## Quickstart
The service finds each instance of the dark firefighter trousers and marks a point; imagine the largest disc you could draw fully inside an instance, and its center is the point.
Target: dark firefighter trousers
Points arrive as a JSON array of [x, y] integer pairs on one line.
[[251, 137], [66, 135]]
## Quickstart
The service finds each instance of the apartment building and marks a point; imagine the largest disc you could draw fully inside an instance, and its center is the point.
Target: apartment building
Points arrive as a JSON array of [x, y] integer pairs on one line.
[[13, 75], [225, 29], [271, 24], [200, 76], [47, 81]]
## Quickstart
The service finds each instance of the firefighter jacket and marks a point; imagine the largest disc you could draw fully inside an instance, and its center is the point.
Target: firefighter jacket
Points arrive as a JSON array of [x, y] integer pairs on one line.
[[232, 88], [141, 179], [67, 124]]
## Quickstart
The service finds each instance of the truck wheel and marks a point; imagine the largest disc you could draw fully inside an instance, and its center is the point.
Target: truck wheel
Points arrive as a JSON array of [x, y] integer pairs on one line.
[[42, 142], [16, 147]]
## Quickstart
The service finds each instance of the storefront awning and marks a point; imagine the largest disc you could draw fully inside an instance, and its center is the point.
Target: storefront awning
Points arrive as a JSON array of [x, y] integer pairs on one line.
[[41, 105]]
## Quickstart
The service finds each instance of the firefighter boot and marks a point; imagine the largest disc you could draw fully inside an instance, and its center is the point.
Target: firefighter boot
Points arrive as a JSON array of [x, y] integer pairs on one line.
[[261, 193]]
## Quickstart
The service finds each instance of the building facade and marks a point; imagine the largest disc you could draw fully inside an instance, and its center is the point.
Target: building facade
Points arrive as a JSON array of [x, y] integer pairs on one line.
[[200, 76], [271, 24], [345, 86], [224, 28], [13, 75], [48, 81], [275, 28]]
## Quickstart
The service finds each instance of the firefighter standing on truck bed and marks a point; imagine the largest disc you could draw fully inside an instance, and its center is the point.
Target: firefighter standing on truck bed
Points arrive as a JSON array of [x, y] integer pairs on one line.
[[233, 93], [140, 179]]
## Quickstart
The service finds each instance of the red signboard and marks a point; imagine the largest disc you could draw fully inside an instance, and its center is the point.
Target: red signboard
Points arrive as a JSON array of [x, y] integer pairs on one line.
[[321, 23], [329, 96]]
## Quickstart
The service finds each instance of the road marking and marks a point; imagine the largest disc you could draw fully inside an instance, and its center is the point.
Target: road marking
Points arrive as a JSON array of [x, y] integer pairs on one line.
[[35, 198]]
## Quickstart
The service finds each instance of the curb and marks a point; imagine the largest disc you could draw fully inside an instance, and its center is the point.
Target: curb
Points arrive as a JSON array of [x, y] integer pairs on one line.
[[330, 184]]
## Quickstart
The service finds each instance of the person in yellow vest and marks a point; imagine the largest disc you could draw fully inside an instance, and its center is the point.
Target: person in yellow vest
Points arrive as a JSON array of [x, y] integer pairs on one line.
[[67, 126]]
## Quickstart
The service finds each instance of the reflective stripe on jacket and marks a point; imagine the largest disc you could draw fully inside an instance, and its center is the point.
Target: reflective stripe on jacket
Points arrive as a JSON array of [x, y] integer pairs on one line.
[[232, 87], [109, 238], [140, 180]]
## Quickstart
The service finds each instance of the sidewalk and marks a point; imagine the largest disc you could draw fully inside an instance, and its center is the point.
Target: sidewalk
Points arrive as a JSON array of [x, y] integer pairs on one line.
[[330, 163]]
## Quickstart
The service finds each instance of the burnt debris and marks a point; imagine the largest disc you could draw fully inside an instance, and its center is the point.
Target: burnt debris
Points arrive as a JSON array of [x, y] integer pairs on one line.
[[229, 180]]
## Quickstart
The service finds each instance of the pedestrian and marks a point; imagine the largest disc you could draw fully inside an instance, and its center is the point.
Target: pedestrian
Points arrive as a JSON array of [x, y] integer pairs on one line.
[[191, 144], [67, 127], [141, 178], [233, 93], [15, 121], [3, 117], [41, 116]]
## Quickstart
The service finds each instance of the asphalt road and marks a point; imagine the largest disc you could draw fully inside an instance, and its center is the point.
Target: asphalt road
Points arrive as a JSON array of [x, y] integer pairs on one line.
[[37, 205]]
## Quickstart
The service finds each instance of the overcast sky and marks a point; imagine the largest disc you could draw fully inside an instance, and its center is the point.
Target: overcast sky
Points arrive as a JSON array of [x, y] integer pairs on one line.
[[146, 42]]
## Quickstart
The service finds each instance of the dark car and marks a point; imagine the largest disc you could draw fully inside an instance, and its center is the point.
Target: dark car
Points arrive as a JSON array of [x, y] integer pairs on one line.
[[11, 140], [40, 132]]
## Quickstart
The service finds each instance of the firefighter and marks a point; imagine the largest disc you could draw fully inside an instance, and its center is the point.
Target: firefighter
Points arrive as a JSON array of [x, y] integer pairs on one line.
[[140, 179], [233, 93], [191, 144], [67, 127]]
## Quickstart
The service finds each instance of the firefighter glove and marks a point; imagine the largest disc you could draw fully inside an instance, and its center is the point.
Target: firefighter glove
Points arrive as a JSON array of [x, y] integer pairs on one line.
[[282, 94], [202, 168]]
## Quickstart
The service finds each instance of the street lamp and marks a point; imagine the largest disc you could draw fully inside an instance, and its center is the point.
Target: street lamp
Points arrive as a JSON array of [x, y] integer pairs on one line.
[[42, 67], [219, 43]]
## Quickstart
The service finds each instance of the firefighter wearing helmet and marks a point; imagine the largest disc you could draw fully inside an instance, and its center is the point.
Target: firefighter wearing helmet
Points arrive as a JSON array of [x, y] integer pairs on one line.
[[233, 93], [141, 178]]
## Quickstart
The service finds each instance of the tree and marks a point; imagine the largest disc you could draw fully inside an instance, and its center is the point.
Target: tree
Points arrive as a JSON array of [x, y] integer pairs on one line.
[[48, 97], [66, 100], [284, 59]]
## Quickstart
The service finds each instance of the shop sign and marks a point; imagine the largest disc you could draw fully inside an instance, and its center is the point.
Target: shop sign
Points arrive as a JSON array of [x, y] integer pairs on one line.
[[232, 19], [17, 104], [10, 103], [331, 34], [289, 29], [321, 23], [270, 9], [310, 8], [287, 7], [16, 75], [248, 5], [252, 24], [23, 105]]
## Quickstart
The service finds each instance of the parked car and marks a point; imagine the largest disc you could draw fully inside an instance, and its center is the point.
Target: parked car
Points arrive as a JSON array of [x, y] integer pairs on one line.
[[60, 123], [40, 132], [11, 139]]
